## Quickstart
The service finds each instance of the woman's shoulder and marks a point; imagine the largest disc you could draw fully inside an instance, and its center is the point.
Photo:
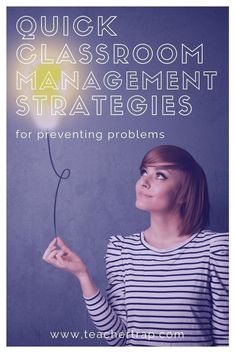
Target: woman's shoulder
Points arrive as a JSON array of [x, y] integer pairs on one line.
[[121, 239], [213, 238], [218, 245]]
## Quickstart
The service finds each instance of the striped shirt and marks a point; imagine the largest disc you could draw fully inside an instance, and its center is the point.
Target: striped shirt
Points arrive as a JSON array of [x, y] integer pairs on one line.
[[176, 297]]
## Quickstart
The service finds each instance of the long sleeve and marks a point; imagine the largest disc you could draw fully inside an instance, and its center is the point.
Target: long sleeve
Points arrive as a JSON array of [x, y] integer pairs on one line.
[[108, 314], [219, 289]]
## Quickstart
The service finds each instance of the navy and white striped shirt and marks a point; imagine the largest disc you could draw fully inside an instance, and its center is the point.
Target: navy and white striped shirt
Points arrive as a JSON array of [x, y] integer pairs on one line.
[[176, 297]]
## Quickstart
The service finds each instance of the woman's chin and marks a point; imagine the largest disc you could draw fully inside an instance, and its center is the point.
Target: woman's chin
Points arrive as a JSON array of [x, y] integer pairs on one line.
[[140, 206]]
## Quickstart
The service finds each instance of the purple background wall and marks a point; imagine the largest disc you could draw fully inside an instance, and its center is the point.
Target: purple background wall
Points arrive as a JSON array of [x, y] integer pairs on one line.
[[98, 199]]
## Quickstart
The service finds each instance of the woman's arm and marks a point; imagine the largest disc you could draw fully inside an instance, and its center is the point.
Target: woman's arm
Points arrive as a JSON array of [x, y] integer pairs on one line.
[[108, 314], [219, 289]]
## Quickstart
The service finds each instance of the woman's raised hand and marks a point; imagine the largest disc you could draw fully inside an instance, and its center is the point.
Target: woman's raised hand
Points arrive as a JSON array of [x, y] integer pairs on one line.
[[60, 256]]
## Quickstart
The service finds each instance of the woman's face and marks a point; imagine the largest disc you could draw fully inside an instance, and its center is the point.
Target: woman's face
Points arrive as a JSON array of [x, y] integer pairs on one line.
[[158, 188]]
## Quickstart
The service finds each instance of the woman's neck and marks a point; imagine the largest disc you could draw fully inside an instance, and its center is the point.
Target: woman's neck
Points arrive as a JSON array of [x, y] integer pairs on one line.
[[164, 231]]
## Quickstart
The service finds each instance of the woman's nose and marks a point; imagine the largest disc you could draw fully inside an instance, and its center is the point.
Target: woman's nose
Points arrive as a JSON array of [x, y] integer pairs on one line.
[[146, 182]]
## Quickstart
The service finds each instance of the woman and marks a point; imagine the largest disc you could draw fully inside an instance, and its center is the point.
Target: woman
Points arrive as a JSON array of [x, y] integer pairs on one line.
[[167, 285]]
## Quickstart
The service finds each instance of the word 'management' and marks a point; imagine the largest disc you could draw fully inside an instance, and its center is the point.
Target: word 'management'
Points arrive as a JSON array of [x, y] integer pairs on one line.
[[58, 75]]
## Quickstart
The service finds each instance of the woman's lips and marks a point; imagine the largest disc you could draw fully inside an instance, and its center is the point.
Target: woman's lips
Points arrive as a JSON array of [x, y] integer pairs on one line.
[[144, 195]]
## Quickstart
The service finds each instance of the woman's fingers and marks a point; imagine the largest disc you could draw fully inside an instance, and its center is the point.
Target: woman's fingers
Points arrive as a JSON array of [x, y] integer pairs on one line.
[[50, 247], [52, 243], [53, 255], [59, 255], [55, 258], [59, 258], [62, 245]]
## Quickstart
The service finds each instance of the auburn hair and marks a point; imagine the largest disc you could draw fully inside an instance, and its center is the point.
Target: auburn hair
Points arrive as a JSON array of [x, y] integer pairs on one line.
[[195, 207]]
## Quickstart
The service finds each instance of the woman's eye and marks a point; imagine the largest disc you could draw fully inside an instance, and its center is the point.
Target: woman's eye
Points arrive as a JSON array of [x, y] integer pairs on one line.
[[143, 172], [161, 176]]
